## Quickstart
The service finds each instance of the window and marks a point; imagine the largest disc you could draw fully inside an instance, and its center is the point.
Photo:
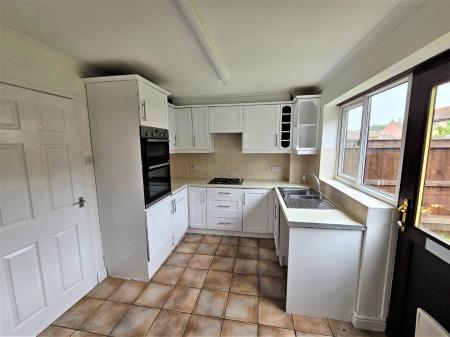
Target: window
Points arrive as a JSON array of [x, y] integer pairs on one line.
[[371, 147]]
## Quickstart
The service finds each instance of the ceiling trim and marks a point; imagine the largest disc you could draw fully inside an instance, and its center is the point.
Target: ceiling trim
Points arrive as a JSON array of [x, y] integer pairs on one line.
[[194, 20]]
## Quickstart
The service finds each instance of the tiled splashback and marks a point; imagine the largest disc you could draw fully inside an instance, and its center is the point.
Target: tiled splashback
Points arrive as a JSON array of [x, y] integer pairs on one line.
[[229, 161]]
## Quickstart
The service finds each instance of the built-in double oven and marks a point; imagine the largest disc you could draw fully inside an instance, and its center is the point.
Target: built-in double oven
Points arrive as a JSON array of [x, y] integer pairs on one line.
[[155, 163]]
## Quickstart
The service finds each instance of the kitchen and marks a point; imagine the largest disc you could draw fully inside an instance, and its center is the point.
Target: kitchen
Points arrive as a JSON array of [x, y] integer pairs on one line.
[[225, 214]]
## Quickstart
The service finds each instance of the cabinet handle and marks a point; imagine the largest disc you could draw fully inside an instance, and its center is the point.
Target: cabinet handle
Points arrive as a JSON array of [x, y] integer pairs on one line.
[[223, 206], [276, 139], [175, 205], [193, 140], [224, 193], [224, 223], [243, 199], [175, 139], [144, 111]]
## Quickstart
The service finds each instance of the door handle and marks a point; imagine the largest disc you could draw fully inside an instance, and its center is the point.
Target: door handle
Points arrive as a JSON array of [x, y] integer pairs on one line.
[[80, 202], [403, 208]]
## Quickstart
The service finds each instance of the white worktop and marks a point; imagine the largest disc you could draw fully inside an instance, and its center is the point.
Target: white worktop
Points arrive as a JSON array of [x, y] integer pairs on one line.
[[296, 217]]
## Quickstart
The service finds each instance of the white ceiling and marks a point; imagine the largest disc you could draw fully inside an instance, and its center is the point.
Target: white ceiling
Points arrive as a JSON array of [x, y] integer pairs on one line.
[[265, 46]]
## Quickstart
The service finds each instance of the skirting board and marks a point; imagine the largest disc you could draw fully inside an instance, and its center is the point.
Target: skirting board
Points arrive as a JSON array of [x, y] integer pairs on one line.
[[102, 274], [231, 233], [368, 322]]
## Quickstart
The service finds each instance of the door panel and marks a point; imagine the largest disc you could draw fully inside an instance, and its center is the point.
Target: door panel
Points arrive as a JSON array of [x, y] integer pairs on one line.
[[256, 211], [197, 207], [45, 245], [200, 128], [183, 119], [261, 125]]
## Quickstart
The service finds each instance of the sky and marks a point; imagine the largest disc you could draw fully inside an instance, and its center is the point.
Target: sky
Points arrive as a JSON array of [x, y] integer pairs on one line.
[[389, 105]]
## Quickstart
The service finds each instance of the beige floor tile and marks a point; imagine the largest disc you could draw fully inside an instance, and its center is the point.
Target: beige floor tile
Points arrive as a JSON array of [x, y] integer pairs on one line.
[[105, 318], [200, 261], [246, 266], [310, 324], [201, 326], [266, 243], [242, 308], [230, 240], [106, 288], [136, 322], [346, 329], [247, 252], [85, 334], [308, 334], [56, 331], [187, 247], [244, 284], [207, 249], [272, 287], [168, 275], [222, 263], [154, 295], [211, 238], [239, 329], [226, 250], [178, 260], [191, 237], [271, 331], [78, 313], [211, 303], [271, 312], [128, 292], [182, 299], [169, 324], [249, 242], [218, 280], [270, 268], [192, 278], [267, 254]]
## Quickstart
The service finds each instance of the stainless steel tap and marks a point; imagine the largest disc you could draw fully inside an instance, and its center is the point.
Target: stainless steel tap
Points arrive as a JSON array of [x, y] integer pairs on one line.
[[317, 181]]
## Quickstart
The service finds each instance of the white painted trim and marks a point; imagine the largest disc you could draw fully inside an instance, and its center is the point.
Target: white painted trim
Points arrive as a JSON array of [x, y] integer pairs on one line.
[[125, 78], [368, 322], [189, 11], [102, 274], [230, 233]]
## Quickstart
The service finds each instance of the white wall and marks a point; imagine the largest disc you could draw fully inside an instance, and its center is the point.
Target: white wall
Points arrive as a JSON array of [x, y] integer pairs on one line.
[[31, 64]]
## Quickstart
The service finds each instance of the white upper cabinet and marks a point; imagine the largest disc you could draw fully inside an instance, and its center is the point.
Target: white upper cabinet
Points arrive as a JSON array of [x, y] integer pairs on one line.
[[255, 210], [191, 135], [201, 136], [183, 121], [261, 131], [307, 112], [225, 119], [172, 130], [197, 207], [153, 106]]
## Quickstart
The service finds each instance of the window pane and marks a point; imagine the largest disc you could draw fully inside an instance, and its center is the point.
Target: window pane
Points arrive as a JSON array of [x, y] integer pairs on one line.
[[352, 141], [386, 117], [435, 212]]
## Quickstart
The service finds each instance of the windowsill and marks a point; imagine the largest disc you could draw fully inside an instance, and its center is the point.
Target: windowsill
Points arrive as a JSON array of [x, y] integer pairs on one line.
[[357, 195]]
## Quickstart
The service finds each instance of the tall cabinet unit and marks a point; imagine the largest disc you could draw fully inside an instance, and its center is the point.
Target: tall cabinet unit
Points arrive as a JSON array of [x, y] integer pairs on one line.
[[307, 119], [118, 105]]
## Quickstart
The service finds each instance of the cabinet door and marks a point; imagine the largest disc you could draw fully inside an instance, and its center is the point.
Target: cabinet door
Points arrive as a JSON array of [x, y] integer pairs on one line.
[[153, 105], [180, 218], [276, 224], [255, 210], [159, 230], [183, 120], [200, 131], [225, 119], [172, 130], [197, 207], [308, 119], [261, 128]]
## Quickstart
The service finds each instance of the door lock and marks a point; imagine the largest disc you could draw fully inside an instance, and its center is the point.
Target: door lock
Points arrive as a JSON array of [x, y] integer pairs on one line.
[[403, 208], [80, 202]]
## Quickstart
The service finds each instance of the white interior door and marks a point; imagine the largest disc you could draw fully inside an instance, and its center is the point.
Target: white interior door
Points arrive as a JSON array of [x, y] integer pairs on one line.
[[45, 247]]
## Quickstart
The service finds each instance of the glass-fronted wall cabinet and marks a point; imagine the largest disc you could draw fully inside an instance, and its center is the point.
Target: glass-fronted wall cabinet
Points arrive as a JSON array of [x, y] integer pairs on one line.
[[307, 121]]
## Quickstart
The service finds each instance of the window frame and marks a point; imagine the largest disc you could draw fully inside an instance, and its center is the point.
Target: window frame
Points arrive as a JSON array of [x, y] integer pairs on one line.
[[365, 101]]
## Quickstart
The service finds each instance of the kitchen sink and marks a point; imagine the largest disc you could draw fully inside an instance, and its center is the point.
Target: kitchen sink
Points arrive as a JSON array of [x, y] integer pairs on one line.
[[304, 198]]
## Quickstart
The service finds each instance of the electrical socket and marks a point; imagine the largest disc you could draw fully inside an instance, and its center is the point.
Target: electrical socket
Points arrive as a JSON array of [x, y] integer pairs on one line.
[[275, 168], [194, 167]]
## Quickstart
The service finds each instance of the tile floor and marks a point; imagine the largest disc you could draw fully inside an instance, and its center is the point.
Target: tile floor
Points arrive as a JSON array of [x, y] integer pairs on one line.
[[209, 286]]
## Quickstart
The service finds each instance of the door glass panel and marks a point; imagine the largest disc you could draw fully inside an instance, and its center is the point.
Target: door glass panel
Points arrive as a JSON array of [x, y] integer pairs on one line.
[[434, 196], [386, 119], [352, 141]]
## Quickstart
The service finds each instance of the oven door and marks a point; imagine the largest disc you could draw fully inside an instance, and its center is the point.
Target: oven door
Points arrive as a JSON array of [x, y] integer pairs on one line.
[[156, 182], [155, 151]]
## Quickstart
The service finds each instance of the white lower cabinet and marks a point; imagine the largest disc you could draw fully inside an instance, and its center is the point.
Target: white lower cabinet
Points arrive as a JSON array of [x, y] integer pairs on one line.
[[255, 210], [224, 209], [159, 233], [167, 221], [197, 207], [276, 225]]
